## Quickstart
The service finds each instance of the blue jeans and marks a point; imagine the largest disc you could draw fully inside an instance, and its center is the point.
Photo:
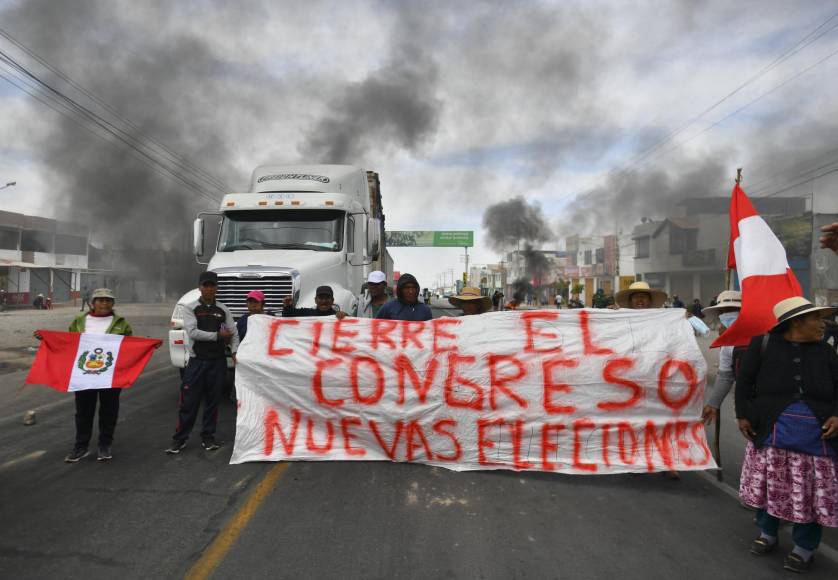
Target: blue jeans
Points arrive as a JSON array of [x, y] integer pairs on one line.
[[807, 536]]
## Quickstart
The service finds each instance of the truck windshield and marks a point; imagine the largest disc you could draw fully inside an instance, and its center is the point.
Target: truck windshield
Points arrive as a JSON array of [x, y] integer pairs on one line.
[[317, 230]]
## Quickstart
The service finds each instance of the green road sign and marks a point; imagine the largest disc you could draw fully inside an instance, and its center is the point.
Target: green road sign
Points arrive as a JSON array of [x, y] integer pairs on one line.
[[429, 238]]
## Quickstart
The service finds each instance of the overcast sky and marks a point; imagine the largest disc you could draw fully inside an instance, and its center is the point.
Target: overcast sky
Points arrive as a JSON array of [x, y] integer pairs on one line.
[[457, 105]]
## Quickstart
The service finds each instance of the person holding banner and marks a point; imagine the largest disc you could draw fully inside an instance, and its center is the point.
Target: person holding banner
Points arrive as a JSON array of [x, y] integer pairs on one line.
[[100, 319], [787, 409], [255, 305], [640, 296], [471, 301], [406, 306], [324, 298], [370, 304], [829, 237]]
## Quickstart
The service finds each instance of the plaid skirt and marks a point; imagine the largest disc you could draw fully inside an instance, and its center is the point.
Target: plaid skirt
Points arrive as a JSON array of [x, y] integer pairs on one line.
[[795, 487]]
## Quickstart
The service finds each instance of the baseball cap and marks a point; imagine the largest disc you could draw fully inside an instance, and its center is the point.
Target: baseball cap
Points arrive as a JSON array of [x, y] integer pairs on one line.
[[208, 277], [324, 291], [102, 293], [376, 277], [256, 295]]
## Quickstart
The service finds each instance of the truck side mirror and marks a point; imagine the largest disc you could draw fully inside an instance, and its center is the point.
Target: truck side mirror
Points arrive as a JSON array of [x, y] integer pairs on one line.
[[198, 237], [373, 238]]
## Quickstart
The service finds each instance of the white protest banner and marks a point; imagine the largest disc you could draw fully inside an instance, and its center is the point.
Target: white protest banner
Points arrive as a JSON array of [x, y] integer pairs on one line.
[[572, 391]]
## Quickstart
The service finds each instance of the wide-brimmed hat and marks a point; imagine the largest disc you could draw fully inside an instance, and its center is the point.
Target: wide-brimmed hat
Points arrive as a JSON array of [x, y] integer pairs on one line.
[[102, 293], [798, 306], [470, 295], [623, 297], [727, 299]]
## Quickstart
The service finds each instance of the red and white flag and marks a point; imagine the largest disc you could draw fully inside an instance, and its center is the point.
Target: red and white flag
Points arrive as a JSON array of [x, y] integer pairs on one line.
[[69, 361], [763, 270]]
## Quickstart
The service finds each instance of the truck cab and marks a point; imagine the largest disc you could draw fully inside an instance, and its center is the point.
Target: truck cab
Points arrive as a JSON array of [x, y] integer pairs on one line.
[[299, 227]]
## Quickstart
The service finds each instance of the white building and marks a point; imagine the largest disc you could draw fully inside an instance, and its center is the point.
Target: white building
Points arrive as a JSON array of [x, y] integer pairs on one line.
[[41, 256]]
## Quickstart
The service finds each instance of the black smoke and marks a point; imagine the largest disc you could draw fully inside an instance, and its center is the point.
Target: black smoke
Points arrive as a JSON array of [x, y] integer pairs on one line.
[[626, 197], [510, 223], [174, 88], [394, 108]]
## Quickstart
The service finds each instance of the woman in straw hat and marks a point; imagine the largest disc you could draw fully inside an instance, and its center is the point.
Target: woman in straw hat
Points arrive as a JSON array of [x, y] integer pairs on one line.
[[471, 301], [640, 296], [787, 409], [724, 312]]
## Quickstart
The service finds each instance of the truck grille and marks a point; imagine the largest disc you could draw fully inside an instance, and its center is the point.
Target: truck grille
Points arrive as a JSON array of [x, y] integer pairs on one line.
[[232, 291]]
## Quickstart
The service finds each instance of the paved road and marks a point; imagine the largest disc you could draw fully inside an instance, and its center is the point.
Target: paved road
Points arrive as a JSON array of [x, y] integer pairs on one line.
[[147, 515]]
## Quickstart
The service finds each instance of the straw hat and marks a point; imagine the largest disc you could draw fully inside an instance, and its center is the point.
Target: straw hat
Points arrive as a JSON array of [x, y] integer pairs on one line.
[[470, 295], [623, 297], [727, 299], [798, 306]]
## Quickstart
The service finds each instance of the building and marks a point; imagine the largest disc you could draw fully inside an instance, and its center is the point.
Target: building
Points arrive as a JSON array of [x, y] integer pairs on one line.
[[538, 270], [686, 254], [41, 256], [597, 263], [487, 277]]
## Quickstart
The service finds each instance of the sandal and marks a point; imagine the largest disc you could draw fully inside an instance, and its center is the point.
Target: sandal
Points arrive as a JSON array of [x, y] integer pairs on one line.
[[761, 547], [796, 563]]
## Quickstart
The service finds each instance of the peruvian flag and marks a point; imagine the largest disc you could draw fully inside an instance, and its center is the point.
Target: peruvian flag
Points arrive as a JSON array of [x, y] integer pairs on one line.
[[69, 361], [763, 270]]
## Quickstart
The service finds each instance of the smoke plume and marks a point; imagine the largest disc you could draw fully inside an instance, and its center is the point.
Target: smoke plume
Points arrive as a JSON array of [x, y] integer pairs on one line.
[[626, 197], [509, 223], [174, 89], [395, 107]]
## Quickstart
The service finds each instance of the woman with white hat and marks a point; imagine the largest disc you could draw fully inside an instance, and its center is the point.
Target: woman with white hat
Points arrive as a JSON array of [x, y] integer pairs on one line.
[[787, 409], [725, 312], [471, 301]]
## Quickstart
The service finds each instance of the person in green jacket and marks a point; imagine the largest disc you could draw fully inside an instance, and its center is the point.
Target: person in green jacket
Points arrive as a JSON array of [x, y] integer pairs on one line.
[[100, 319]]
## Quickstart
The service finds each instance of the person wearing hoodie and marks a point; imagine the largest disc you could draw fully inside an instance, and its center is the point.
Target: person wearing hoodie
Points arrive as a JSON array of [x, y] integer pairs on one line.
[[406, 306]]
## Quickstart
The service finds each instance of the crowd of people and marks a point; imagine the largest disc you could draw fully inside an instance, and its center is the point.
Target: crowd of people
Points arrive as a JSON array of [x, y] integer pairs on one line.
[[786, 387]]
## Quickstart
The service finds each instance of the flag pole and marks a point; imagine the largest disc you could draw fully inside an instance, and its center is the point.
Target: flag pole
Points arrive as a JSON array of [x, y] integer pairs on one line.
[[717, 429]]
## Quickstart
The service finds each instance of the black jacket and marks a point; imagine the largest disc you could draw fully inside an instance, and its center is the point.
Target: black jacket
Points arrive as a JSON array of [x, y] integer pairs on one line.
[[770, 381]]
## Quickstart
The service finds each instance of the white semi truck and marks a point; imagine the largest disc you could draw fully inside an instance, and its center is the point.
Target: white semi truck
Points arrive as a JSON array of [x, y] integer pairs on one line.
[[299, 227]]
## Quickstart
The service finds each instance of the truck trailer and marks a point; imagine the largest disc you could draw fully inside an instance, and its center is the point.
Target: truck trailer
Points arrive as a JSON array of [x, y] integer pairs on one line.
[[298, 227]]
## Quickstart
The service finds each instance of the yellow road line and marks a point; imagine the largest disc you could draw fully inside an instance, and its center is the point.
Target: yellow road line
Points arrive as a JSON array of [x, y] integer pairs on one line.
[[215, 553]]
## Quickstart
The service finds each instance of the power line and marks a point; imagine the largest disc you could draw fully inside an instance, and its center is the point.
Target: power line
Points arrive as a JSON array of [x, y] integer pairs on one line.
[[64, 109], [647, 154], [61, 74], [749, 103], [171, 165], [801, 44]]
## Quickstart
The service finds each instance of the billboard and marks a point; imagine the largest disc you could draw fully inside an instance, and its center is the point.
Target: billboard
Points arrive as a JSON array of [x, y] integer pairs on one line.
[[429, 238]]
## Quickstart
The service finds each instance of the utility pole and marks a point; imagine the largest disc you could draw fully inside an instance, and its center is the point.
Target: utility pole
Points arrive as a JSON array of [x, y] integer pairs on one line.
[[467, 274]]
